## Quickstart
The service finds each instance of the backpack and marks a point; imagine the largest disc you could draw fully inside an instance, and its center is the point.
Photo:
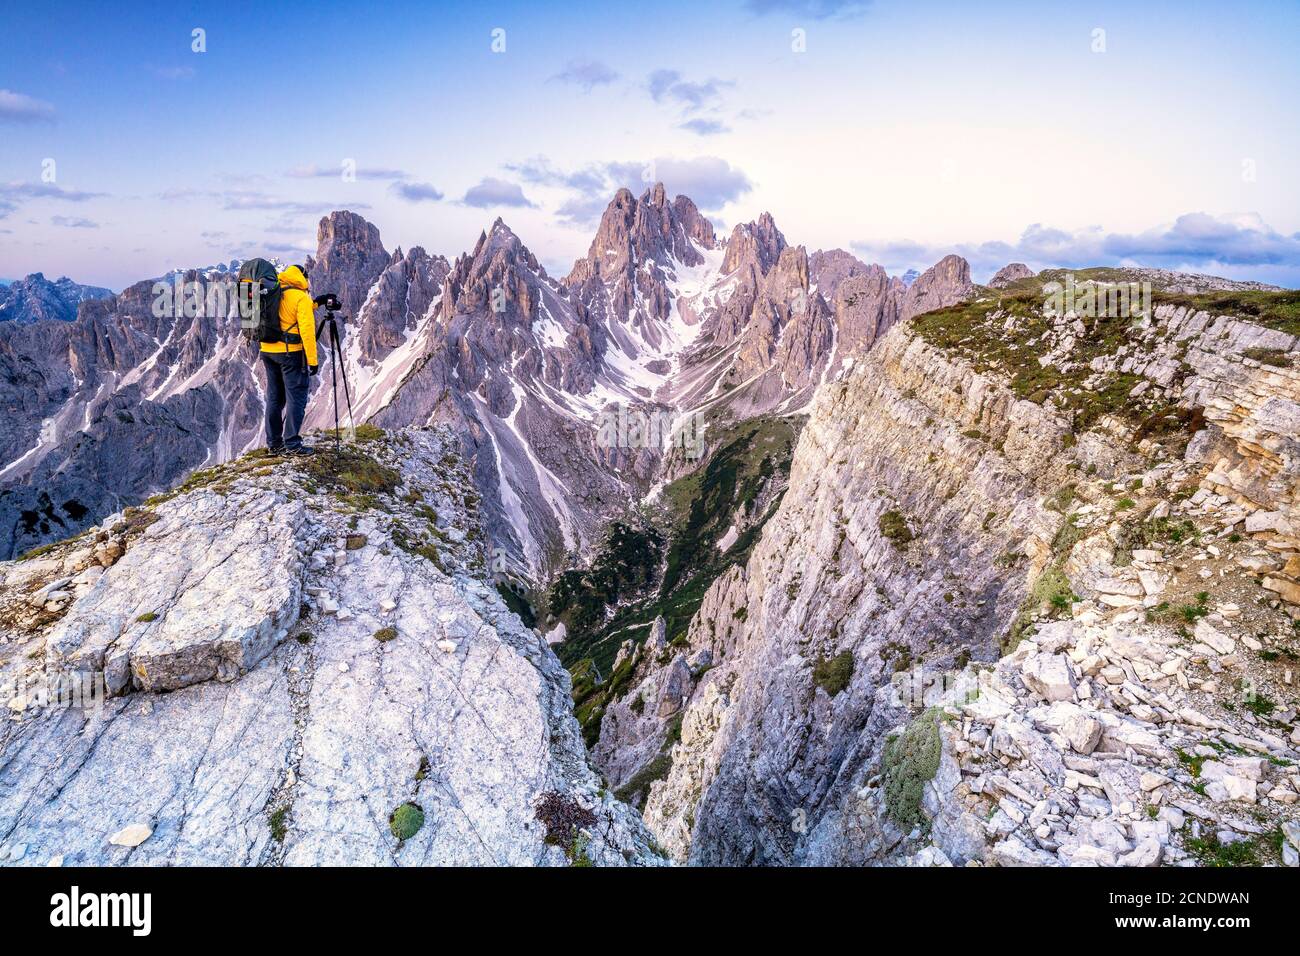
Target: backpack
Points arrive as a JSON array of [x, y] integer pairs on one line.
[[259, 301]]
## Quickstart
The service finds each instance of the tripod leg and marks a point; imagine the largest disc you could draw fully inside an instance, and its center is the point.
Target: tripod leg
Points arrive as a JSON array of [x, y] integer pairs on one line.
[[347, 394], [334, 385]]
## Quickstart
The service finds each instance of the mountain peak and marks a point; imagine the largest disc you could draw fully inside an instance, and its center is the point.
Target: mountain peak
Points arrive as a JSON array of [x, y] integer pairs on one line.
[[1011, 272], [349, 257], [758, 244], [634, 231]]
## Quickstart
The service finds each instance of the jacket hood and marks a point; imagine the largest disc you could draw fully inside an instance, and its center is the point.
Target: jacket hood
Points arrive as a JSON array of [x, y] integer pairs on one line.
[[293, 278]]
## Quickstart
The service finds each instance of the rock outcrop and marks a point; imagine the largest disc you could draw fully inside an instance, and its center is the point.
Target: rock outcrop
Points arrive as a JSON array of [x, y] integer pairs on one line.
[[1011, 272], [291, 664]]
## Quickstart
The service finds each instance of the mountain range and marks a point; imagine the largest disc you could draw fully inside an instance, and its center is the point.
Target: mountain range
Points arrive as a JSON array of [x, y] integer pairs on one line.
[[711, 551], [36, 298], [661, 317]]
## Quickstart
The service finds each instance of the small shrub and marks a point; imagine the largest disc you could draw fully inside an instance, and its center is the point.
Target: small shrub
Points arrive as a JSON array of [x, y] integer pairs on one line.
[[1061, 499], [305, 637], [893, 527], [577, 851], [834, 673], [563, 817], [406, 820], [352, 471], [146, 617], [279, 823], [355, 542], [386, 634], [910, 760], [674, 734]]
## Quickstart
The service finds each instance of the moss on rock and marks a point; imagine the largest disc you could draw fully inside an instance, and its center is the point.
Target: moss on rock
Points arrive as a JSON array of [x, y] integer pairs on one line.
[[406, 821]]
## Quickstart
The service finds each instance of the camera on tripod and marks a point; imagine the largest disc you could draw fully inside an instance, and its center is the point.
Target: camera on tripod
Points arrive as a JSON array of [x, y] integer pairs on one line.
[[329, 301]]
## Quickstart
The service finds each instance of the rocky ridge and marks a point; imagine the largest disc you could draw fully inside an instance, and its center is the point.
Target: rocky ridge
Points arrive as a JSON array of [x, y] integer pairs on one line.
[[1109, 496], [291, 663]]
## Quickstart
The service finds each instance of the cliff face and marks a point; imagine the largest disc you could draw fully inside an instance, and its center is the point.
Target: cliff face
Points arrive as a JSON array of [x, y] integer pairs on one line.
[[1010, 607], [289, 663], [886, 547]]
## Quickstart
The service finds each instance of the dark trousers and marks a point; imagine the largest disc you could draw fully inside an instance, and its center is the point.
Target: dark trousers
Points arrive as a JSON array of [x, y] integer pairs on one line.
[[286, 397]]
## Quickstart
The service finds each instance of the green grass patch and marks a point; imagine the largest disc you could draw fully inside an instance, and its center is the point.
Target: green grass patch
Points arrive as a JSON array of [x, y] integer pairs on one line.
[[350, 470], [639, 785], [1273, 310]]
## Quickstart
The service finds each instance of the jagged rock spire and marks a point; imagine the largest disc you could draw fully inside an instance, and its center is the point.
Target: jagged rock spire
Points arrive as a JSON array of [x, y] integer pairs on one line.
[[349, 258]]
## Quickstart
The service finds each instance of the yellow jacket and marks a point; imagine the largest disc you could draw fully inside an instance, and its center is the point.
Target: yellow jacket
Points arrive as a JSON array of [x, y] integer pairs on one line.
[[297, 315]]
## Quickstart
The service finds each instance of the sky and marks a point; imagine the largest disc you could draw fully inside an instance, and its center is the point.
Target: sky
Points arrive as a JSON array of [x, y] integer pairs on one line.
[[140, 137]]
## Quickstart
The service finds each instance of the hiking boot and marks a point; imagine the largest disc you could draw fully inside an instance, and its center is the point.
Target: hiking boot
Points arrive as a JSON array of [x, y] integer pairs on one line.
[[302, 450], [275, 450]]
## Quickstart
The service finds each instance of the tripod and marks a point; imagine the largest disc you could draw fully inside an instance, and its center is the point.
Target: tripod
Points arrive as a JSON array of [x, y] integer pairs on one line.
[[336, 366]]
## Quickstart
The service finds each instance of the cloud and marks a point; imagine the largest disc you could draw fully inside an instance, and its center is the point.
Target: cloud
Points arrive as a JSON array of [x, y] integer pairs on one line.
[[312, 171], [492, 192], [587, 74], [699, 102], [811, 9], [710, 181], [582, 211], [294, 247], [74, 222], [540, 171], [21, 108], [174, 72], [670, 86], [705, 127], [240, 200], [415, 192], [1237, 246], [24, 190]]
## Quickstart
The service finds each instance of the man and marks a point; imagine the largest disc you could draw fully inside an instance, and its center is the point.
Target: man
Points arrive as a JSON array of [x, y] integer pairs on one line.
[[288, 365]]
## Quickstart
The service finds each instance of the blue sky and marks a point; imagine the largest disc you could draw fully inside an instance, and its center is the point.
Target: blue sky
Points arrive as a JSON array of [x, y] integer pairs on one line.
[[900, 130]]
